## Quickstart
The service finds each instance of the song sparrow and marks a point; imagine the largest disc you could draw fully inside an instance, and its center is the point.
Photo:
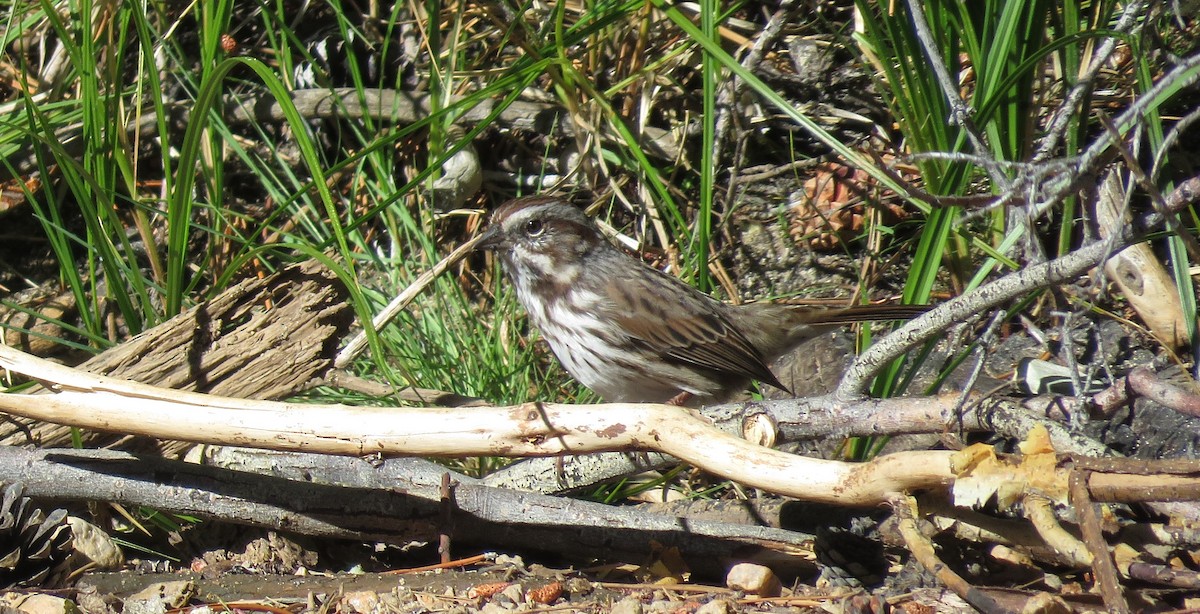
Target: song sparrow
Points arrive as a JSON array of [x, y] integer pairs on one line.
[[632, 333]]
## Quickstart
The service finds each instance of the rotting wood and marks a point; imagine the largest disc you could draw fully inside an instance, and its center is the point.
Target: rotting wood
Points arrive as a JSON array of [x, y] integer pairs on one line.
[[263, 338]]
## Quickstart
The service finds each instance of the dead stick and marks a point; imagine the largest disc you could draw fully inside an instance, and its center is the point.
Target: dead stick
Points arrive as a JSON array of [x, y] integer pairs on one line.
[[447, 509], [1039, 512], [1093, 536], [905, 509], [359, 342]]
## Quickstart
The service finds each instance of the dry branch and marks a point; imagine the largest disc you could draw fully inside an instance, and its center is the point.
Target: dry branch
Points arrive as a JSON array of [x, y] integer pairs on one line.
[[533, 429], [403, 107], [397, 107], [1001, 291], [497, 515], [364, 510], [922, 548], [1145, 383], [1093, 536]]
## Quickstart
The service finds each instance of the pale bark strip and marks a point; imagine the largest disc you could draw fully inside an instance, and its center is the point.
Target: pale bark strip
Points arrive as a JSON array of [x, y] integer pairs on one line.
[[1136, 269]]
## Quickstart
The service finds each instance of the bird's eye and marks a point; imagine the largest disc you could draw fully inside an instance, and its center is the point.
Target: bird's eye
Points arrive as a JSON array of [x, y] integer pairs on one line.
[[534, 228]]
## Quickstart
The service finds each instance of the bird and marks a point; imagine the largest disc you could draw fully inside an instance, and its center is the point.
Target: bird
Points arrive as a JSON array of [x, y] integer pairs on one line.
[[632, 333]]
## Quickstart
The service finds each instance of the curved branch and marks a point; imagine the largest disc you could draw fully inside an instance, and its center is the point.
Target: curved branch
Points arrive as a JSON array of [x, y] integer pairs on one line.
[[533, 429], [999, 292], [961, 308]]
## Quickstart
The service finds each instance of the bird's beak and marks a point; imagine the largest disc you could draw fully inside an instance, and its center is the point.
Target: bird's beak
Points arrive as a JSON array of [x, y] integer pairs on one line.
[[490, 239]]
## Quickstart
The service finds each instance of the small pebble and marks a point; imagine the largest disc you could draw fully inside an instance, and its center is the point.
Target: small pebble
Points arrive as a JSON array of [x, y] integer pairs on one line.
[[753, 579], [628, 605]]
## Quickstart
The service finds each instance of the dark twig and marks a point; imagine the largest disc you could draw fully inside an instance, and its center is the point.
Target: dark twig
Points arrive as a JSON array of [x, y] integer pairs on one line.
[[768, 171], [1149, 187], [1178, 130], [1162, 574], [1057, 128], [1144, 383], [922, 548], [960, 111], [447, 510], [985, 342], [726, 103], [1167, 494], [981, 202], [1089, 525], [1180, 76], [1137, 466], [1069, 356], [1031, 180]]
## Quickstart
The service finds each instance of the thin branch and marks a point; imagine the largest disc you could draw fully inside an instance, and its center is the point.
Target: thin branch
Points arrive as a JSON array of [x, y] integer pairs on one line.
[[960, 111], [1156, 197], [1183, 75], [533, 429], [1146, 384], [1093, 536], [956, 310], [1178, 130], [983, 349], [1057, 128], [999, 292], [922, 548], [393, 308], [726, 103]]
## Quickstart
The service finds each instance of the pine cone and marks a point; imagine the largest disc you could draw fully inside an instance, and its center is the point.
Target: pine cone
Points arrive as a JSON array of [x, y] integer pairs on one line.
[[34, 547]]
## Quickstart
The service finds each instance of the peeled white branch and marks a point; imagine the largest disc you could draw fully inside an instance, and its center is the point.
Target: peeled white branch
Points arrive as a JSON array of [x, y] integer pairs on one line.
[[533, 429]]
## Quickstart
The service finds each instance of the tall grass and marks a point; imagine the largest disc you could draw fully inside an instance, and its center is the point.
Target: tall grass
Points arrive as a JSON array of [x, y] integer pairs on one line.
[[145, 222]]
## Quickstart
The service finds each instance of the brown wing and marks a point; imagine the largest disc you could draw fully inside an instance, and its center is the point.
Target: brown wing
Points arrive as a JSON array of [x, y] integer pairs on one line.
[[684, 326]]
